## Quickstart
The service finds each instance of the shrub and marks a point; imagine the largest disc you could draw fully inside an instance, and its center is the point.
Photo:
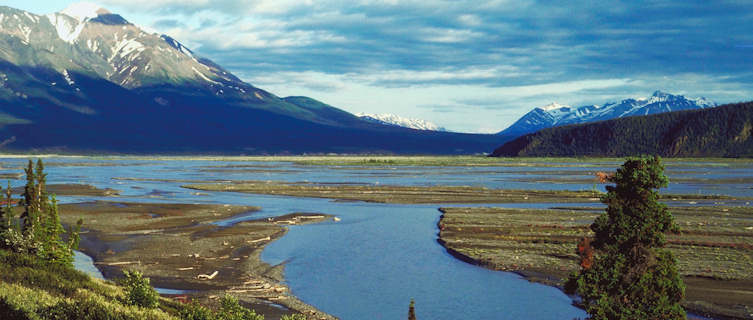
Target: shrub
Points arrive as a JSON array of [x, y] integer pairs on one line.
[[195, 311], [230, 309], [138, 290]]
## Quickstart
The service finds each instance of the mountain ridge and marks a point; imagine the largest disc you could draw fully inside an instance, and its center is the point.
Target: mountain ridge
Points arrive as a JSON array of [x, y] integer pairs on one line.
[[557, 115], [103, 85], [723, 131]]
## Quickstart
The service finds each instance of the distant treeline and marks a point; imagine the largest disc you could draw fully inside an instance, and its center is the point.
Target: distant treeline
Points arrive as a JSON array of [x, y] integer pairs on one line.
[[723, 131]]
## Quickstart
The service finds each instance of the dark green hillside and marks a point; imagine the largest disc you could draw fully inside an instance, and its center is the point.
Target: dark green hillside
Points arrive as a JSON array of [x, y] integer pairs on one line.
[[725, 131]]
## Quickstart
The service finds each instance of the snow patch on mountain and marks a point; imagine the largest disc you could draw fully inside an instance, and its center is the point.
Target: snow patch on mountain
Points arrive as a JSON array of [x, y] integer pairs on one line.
[[84, 10], [553, 106], [67, 29], [555, 114], [394, 120]]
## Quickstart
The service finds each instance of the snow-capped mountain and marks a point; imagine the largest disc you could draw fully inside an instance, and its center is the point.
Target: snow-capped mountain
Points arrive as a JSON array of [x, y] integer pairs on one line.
[[394, 120], [87, 80], [87, 39], [554, 115]]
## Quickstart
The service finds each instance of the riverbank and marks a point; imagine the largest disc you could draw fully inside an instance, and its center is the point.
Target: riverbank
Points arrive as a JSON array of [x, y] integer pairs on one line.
[[178, 247], [714, 250]]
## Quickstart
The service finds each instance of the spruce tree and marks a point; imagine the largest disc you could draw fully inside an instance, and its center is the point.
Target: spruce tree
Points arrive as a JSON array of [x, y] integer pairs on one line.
[[631, 276], [9, 204], [41, 230], [5, 219], [412, 310], [30, 215]]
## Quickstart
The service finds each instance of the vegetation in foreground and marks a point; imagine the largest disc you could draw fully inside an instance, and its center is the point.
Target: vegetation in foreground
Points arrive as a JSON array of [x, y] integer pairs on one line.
[[38, 281], [625, 272]]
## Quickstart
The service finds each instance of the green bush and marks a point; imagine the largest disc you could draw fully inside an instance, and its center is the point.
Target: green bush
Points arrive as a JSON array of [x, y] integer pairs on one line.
[[138, 290], [195, 311], [296, 316], [230, 309]]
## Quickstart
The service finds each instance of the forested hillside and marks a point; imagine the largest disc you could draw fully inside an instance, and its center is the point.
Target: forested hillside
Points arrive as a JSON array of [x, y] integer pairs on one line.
[[724, 131]]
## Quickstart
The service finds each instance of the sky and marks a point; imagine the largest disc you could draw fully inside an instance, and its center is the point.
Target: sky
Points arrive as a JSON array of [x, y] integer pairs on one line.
[[469, 66]]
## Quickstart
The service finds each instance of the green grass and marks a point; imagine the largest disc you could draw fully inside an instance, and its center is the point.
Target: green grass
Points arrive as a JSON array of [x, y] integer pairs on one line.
[[31, 289]]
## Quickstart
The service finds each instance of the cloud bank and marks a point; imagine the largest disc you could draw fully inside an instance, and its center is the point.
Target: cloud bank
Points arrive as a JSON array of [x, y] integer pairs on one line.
[[466, 65]]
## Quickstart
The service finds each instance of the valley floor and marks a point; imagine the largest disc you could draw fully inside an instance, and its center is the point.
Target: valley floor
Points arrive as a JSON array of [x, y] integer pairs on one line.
[[714, 249]]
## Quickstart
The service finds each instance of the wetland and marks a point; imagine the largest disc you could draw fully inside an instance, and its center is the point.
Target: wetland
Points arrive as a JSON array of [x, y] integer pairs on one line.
[[347, 236]]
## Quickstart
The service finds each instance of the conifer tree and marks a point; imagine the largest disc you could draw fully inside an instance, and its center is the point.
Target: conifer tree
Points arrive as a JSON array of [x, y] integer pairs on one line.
[[631, 276], [8, 210], [30, 215], [5, 219], [412, 310], [40, 229]]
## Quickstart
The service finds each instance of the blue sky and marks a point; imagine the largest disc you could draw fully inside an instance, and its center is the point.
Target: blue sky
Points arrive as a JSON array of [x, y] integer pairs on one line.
[[473, 66]]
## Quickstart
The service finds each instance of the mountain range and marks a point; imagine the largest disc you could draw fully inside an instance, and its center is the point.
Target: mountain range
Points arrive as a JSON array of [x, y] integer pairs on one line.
[[395, 120], [554, 115], [724, 131], [88, 80]]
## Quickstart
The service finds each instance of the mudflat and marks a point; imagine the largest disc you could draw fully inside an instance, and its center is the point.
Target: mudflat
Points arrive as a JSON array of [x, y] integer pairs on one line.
[[178, 247], [73, 189], [714, 248]]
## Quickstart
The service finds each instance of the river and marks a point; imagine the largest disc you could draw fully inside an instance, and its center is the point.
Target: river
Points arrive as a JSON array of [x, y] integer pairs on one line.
[[379, 256]]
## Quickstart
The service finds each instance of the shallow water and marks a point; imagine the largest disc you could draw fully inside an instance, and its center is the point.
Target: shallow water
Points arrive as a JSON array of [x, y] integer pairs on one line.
[[370, 264], [84, 263]]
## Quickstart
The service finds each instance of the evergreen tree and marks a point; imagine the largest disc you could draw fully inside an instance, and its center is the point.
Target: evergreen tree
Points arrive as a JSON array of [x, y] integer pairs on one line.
[[631, 276], [8, 210], [5, 219], [40, 228], [412, 310], [30, 216]]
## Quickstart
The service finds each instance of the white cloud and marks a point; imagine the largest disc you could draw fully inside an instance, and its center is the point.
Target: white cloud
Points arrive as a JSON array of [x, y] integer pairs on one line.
[[360, 93]]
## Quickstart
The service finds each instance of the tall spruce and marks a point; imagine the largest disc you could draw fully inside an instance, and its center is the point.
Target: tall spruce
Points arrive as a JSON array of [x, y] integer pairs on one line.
[[30, 215], [8, 210], [412, 310], [40, 229], [5, 219], [631, 276]]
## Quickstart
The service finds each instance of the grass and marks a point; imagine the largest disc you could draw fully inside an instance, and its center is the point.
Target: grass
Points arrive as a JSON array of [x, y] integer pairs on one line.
[[32, 289], [715, 245]]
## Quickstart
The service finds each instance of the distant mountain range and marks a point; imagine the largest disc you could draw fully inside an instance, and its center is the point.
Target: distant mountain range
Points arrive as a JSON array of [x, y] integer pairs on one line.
[[394, 120], [87, 80], [725, 131], [554, 115]]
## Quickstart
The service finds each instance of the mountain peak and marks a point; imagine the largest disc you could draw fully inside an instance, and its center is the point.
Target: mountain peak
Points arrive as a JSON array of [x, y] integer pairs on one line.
[[553, 106], [557, 115], [395, 120], [84, 10]]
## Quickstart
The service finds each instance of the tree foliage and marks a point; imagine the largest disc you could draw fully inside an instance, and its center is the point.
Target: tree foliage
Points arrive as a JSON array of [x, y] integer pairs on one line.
[[138, 290], [631, 276], [412, 310], [38, 230]]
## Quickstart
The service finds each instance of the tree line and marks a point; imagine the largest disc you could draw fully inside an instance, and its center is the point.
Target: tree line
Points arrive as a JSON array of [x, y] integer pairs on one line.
[[725, 131]]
